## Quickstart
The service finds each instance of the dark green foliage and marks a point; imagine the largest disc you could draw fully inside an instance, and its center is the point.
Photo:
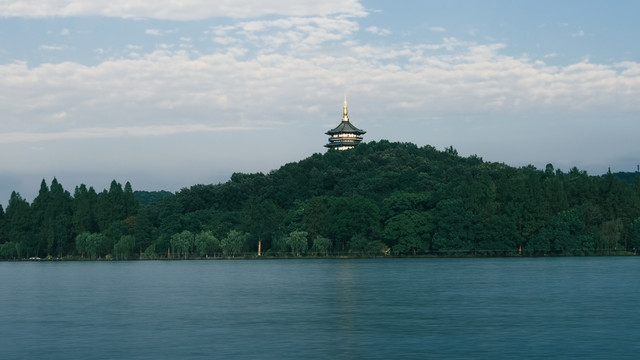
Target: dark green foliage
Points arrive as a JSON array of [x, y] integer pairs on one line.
[[84, 215], [352, 215], [234, 243], [19, 227], [125, 247], [9, 251], [149, 197], [409, 231], [629, 177], [262, 219], [207, 244], [321, 245], [376, 199], [3, 227], [182, 244], [362, 245], [297, 242], [91, 245]]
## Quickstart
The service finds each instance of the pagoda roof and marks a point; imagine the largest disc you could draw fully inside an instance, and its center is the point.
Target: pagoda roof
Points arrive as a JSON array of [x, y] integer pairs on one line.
[[345, 127]]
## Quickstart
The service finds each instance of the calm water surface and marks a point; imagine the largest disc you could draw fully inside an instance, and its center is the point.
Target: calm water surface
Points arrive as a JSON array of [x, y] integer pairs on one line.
[[322, 309]]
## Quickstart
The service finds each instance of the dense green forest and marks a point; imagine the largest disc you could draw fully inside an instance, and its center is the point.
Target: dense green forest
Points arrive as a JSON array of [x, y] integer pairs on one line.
[[378, 199]]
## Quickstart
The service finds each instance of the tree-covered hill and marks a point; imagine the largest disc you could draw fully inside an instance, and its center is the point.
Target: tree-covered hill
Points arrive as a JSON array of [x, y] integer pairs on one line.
[[381, 197], [149, 197], [630, 177]]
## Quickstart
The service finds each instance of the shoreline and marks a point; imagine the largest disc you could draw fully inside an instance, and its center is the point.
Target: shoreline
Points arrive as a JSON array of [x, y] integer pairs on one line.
[[615, 253]]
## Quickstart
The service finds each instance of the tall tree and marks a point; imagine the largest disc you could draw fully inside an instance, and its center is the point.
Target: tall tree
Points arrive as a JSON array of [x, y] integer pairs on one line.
[[44, 225], [19, 221], [60, 211], [144, 230], [262, 218], [129, 202], [455, 227], [3, 227], [352, 215], [410, 231], [111, 206], [84, 214]]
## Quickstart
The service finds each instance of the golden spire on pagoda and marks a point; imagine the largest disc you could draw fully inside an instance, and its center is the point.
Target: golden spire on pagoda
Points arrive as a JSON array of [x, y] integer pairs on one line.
[[345, 117]]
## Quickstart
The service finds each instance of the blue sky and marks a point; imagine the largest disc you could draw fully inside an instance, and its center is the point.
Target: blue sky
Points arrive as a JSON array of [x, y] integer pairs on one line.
[[167, 94]]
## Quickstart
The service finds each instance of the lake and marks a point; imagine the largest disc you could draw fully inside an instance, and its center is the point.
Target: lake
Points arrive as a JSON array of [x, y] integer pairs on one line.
[[498, 308]]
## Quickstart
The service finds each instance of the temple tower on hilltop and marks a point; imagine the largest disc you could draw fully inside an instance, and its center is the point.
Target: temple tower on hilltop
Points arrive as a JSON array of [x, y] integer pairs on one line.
[[344, 136]]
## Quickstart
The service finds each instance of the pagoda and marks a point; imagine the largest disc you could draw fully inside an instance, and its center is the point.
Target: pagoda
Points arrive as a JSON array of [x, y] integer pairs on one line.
[[344, 136]]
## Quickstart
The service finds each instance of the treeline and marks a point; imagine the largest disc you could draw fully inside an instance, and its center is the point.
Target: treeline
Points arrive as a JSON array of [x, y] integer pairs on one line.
[[379, 198]]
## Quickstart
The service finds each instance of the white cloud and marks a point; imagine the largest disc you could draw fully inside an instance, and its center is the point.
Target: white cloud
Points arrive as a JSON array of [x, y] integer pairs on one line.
[[65, 32], [437, 29], [158, 32], [629, 68], [579, 33], [178, 10], [168, 89], [224, 40], [51, 47], [296, 33], [59, 116], [378, 31], [114, 132]]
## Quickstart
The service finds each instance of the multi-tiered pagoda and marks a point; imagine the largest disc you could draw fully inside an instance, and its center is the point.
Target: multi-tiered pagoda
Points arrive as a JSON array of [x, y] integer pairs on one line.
[[344, 136]]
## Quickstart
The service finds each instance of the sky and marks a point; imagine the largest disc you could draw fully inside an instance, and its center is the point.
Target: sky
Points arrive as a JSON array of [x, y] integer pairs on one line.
[[167, 94]]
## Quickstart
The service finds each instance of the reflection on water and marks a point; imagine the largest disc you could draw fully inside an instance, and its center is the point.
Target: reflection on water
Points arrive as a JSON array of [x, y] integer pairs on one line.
[[320, 309]]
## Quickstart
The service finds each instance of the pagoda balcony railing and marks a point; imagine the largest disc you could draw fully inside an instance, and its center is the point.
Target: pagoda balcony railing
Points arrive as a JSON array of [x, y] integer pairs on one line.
[[342, 144], [345, 139]]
